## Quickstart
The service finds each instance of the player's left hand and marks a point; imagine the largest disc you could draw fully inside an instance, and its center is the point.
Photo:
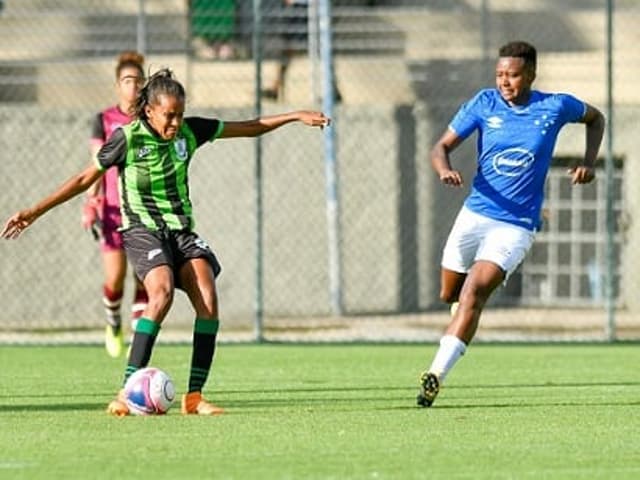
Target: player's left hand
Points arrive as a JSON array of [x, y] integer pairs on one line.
[[582, 174], [314, 119], [17, 223]]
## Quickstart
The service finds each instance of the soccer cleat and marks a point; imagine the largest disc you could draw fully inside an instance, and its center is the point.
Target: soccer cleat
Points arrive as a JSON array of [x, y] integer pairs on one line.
[[118, 407], [193, 403], [429, 388], [113, 341]]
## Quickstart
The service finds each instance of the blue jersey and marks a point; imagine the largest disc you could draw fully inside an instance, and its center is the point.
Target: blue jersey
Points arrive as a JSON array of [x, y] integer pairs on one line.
[[515, 145]]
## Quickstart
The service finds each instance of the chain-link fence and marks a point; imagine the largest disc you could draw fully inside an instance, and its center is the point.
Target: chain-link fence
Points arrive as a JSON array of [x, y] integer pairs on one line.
[[402, 68]]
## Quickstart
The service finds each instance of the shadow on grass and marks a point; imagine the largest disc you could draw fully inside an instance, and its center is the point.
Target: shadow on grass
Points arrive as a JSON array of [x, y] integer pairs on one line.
[[392, 404], [355, 401], [383, 388], [547, 385], [354, 398], [554, 404], [311, 390], [58, 407], [57, 395]]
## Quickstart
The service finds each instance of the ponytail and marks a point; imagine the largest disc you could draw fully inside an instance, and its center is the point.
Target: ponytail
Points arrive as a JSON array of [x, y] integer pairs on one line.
[[160, 83]]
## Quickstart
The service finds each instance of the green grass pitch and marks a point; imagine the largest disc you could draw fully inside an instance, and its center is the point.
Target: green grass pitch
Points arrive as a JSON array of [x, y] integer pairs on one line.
[[330, 412]]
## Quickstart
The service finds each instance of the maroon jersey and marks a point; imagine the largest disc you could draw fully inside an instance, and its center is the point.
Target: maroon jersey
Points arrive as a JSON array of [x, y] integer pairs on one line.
[[104, 125]]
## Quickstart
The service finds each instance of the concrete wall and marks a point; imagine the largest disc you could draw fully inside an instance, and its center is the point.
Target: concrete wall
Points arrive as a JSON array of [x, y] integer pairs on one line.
[[625, 144]]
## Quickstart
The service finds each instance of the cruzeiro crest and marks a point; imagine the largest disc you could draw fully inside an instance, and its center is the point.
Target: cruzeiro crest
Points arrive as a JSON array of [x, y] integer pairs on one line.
[[180, 144]]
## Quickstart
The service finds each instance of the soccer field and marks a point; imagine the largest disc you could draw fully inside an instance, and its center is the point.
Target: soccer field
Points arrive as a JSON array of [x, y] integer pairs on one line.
[[330, 411]]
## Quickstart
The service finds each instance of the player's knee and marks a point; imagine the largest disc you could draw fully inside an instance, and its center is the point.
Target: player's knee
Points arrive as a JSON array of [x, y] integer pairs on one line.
[[160, 300], [208, 308], [474, 298]]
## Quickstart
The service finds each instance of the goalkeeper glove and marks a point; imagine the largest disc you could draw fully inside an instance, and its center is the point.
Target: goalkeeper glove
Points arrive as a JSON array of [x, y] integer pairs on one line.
[[91, 214]]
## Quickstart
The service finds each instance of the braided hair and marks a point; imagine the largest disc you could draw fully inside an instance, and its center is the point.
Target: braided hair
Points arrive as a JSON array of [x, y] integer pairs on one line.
[[160, 83]]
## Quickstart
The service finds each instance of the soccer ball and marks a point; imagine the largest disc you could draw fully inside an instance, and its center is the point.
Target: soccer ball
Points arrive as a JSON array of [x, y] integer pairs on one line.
[[149, 391]]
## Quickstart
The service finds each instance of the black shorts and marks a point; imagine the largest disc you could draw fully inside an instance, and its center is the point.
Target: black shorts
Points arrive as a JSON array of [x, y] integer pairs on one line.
[[147, 249]]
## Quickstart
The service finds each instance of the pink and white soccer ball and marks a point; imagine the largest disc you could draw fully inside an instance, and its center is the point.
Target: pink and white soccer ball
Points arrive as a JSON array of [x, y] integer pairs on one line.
[[149, 391]]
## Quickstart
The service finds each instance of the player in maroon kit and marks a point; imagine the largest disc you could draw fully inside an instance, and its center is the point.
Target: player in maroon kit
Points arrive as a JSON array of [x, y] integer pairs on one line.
[[101, 211]]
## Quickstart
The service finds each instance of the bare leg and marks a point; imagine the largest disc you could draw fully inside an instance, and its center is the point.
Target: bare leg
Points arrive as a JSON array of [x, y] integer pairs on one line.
[[472, 293], [159, 285], [450, 285], [276, 91], [115, 267], [140, 300], [483, 278], [114, 263]]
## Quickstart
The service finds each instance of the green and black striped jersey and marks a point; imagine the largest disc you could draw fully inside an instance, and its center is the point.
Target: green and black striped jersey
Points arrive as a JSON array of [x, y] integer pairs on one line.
[[154, 180]]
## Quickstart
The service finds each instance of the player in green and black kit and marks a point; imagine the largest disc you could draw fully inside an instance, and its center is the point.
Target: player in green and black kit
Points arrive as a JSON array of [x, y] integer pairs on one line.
[[153, 154]]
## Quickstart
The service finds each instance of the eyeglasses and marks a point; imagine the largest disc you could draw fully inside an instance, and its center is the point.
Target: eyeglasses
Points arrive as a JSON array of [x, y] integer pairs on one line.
[[132, 79]]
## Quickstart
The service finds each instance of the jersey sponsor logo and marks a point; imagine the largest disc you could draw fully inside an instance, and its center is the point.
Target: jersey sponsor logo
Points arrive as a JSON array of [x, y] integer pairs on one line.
[[494, 122], [180, 146], [512, 162], [154, 253], [143, 151]]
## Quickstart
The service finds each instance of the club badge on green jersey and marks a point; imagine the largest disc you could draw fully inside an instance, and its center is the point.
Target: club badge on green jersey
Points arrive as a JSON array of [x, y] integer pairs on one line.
[[180, 146]]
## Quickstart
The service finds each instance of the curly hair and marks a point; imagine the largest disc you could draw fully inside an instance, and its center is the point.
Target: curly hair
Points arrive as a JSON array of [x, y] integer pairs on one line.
[[160, 83], [520, 49], [130, 59]]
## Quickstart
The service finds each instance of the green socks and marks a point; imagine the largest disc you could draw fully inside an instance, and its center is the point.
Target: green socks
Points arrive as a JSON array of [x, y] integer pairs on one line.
[[204, 345], [142, 345]]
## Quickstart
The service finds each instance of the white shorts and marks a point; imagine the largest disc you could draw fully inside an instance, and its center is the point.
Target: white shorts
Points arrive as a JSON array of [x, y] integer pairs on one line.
[[476, 237]]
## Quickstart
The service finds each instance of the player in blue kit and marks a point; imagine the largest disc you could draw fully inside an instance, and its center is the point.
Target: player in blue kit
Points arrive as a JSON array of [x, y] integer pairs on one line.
[[517, 131]]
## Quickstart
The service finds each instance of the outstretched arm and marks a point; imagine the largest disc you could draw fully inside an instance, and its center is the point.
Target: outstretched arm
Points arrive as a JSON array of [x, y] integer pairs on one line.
[[594, 121], [258, 126], [440, 158], [72, 187]]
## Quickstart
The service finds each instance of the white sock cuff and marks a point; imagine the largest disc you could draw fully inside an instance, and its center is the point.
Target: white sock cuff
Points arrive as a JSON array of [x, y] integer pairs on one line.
[[453, 342]]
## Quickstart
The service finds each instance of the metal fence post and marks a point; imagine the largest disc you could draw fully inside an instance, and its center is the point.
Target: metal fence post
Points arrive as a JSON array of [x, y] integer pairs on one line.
[[332, 200], [141, 29], [259, 288], [609, 169]]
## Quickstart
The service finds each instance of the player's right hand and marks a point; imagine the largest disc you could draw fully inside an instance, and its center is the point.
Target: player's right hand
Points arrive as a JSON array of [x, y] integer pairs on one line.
[[17, 223], [452, 178], [91, 212], [92, 215]]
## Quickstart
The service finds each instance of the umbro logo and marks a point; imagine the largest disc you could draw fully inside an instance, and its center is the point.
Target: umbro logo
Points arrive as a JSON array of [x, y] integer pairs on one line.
[[154, 253], [143, 152]]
